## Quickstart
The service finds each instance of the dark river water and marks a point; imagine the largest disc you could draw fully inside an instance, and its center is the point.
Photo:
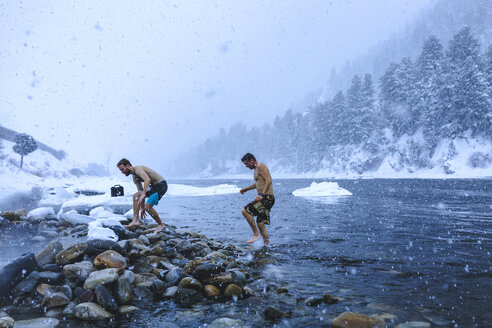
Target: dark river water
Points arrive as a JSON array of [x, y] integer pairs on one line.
[[419, 250]]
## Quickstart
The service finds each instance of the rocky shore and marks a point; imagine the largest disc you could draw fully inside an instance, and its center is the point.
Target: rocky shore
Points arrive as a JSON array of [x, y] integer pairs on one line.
[[76, 279]]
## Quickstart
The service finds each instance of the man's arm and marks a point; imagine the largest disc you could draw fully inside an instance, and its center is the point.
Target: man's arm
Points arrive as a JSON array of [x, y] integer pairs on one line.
[[253, 186], [146, 179], [265, 173], [137, 183]]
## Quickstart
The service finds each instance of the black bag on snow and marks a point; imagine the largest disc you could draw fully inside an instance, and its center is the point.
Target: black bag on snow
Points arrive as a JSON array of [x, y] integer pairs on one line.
[[117, 190]]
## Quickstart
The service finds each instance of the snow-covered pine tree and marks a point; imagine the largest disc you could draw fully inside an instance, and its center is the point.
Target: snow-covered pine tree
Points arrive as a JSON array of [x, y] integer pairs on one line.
[[469, 101]]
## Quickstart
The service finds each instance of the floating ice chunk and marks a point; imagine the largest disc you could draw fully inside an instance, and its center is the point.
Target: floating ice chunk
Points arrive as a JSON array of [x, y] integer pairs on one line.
[[43, 212], [322, 189]]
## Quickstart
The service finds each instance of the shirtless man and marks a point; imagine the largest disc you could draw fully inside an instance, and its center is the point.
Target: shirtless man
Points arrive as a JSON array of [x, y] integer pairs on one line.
[[154, 187], [263, 203]]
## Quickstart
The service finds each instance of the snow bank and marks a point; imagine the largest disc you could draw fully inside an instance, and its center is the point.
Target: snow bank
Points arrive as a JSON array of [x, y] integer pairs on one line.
[[322, 189], [192, 191]]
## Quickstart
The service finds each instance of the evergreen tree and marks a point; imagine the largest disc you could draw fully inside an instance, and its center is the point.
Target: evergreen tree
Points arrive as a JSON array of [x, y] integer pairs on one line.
[[24, 145], [469, 104], [397, 90], [428, 85]]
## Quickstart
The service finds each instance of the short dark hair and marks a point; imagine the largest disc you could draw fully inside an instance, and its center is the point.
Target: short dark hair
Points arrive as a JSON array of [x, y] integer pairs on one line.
[[248, 157], [124, 162]]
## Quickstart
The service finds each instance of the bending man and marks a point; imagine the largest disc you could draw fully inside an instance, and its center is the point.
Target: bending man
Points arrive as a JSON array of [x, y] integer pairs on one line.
[[261, 206], [154, 187]]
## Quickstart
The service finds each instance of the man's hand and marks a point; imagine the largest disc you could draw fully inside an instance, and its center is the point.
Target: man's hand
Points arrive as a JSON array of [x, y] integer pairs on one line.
[[143, 213], [258, 198], [243, 190]]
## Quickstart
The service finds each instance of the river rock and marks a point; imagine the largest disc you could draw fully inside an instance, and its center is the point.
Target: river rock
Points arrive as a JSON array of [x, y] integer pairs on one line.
[[216, 256], [219, 280], [192, 283], [56, 299], [28, 284], [142, 265], [91, 311], [51, 267], [38, 323], [14, 272], [356, 320], [71, 254], [238, 277], [158, 287], [414, 324], [101, 277], [145, 279], [211, 291], [110, 259], [187, 297], [233, 290], [97, 246], [173, 276], [50, 277], [80, 270], [86, 296], [272, 314], [6, 321], [329, 299], [127, 309], [206, 270], [170, 292], [142, 293], [105, 299], [226, 323], [169, 252], [123, 288]]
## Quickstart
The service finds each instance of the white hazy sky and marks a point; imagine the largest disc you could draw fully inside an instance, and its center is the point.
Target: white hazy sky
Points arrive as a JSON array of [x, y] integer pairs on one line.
[[148, 79]]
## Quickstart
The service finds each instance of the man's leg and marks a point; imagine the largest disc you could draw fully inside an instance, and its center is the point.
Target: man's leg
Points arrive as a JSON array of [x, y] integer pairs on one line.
[[251, 222], [136, 208], [153, 213], [264, 233]]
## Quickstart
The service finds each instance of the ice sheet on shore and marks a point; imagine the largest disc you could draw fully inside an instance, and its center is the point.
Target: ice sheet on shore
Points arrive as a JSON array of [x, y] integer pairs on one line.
[[322, 189], [192, 191]]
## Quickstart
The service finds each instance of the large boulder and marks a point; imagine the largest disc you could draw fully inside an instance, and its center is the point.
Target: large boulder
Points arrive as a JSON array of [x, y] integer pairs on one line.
[[71, 254], [98, 246], [110, 259], [16, 271]]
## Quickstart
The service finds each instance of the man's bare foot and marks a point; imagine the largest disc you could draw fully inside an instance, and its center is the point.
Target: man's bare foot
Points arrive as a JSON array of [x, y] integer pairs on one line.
[[253, 239], [133, 224], [160, 227]]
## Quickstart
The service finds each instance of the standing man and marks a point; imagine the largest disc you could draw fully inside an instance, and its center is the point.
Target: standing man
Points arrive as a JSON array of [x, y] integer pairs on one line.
[[263, 203], [154, 187]]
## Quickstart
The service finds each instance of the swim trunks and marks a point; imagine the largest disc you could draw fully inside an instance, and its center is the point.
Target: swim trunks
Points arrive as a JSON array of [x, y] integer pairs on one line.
[[156, 192], [261, 209]]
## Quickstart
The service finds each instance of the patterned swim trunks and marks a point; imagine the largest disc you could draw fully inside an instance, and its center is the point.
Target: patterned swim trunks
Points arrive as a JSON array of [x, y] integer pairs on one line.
[[261, 209]]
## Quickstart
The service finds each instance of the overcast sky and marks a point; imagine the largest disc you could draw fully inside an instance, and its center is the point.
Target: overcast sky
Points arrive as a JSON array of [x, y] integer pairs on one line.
[[148, 79]]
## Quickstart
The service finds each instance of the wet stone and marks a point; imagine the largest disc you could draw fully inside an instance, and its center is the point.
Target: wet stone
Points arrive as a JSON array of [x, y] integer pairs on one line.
[[329, 299], [48, 253], [127, 309], [86, 296], [142, 293], [71, 254], [158, 287], [187, 297], [142, 265], [145, 279], [56, 299], [101, 277], [105, 299], [211, 291], [233, 290], [192, 283], [91, 311], [110, 259], [50, 277], [51, 267], [80, 270], [206, 270], [272, 314], [352, 320], [28, 284], [98, 246], [170, 292]]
